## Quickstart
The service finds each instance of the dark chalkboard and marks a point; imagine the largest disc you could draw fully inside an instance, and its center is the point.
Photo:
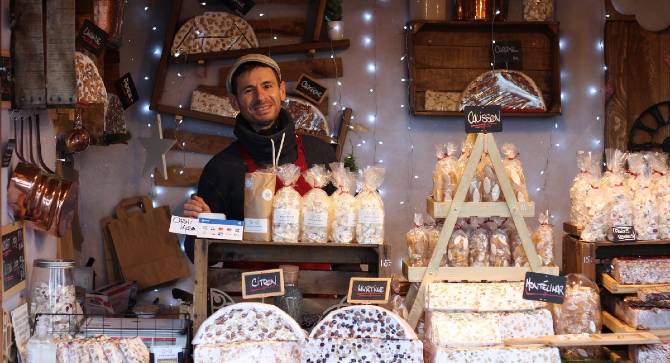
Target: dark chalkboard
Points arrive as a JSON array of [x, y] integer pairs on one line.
[[92, 37], [13, 259], [624, 234], [543, 287], [309, 88], [258, 284], [371, 290], [507, 54], [125, 88], [480, 119]]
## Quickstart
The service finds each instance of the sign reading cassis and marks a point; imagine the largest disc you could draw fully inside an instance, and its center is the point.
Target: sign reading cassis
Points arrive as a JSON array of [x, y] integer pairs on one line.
[[480, 119], [623, 234], [543, 287], [258, 284], [309, 88]]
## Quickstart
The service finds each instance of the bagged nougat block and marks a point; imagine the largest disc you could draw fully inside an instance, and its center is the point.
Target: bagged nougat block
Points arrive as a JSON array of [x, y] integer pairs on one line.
[[259, 190], [370, 221], [514, 171], [343, 204], [286, 206], [445, 175], [316, 206], [581, 185]]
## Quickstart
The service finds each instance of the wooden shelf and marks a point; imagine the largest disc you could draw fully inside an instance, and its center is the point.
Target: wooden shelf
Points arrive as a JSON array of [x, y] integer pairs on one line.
[[615, 287], [505, 114], [446, 56], [274, 50], [296, 244], [478, 209], [185, 112], [583, 340], [617, 326], [473, 274]]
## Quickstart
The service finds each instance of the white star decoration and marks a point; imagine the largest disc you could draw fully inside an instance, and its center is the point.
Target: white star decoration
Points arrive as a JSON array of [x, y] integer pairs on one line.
[[156, 148]]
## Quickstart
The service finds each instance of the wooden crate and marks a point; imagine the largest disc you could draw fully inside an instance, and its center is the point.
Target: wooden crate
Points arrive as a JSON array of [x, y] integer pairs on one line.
[[348, 260], [593, 258], [447, 56]]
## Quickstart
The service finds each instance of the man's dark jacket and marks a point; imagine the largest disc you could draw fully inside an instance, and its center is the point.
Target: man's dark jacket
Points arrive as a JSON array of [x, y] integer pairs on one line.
[[221, 184]]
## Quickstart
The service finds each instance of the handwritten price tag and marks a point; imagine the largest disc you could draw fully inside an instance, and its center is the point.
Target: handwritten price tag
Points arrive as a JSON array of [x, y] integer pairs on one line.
[[183, 225]]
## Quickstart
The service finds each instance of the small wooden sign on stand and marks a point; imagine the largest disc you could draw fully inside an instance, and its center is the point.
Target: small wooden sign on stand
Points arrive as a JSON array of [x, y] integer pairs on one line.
[[363, 290], [262, 284]]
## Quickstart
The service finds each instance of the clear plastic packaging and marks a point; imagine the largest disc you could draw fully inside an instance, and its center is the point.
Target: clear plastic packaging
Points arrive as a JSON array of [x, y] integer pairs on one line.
[[370, 221], [543, 239], [417, 242], [519, 257], [514, 171], [580, 313], [511, 90], [458, 249], [445, 175], [500, 254], [614, 187], [474, 193], [316, 206], [343, 224], [286, 206], [597, 204], [538, 10], [661, 191], [615, 161], [489, 187], [645, 214], [432, 235], [581, 185], [479, 244]]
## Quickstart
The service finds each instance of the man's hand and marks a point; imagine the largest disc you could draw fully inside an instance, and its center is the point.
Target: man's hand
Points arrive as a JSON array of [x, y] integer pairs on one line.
[[195, 206]]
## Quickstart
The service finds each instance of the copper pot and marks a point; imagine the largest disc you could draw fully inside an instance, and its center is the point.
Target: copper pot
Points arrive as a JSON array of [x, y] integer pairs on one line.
[[43, 201]]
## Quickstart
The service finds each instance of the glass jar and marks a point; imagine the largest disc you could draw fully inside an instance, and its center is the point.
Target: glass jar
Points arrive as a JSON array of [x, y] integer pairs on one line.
[[538, 10], [580, 313], [291, 301], [52, 292], [480, 10]]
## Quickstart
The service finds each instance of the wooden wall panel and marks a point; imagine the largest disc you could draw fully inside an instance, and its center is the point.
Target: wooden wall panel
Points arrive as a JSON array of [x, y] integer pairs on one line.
[[637, 76]]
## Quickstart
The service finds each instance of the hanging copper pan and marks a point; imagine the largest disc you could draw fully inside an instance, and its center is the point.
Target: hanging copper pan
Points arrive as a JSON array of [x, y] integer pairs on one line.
[[21, 189]]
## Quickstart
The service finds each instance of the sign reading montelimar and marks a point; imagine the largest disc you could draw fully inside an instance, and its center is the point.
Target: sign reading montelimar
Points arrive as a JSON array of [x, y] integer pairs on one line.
[[258, 284], [623, 234], [543, 287], [369, 290], [480, 119]]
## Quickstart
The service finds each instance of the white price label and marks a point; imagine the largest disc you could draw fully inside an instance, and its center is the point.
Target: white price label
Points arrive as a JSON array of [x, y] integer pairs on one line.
[[371, 216], [183, 225], [386, 263], [316, 219], [285, 216], [256, 225]]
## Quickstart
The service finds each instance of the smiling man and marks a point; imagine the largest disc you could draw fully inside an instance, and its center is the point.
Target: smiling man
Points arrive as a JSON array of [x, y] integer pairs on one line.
[[255, 82]]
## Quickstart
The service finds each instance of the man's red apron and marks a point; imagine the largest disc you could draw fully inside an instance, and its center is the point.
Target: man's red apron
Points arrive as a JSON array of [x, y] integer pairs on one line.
[[300, 186]]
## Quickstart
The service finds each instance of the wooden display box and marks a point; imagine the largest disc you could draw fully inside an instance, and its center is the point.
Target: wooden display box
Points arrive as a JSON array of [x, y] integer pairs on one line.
[[447, 56], [594, 258], [617, 326], [346, 260], [614, 287], [478, 209]]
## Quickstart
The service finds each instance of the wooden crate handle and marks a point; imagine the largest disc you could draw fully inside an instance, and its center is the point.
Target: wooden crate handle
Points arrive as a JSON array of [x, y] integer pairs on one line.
[[142, 202]]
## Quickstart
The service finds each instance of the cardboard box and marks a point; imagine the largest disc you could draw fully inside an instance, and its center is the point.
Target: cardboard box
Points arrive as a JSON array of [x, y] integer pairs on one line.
[[111, 299]]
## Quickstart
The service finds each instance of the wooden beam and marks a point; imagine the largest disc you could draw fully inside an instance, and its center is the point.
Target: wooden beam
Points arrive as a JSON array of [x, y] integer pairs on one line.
[[285, 26], [230, 121], [342, 134], [161, 72], [178, 177], [319, 20], [274, 50], [198, 143], [291, 70]]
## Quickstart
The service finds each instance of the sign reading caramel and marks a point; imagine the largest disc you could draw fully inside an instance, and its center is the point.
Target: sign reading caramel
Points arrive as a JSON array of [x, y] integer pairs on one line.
[[309, 88], [258, 284], [369, 290], [482, 119]]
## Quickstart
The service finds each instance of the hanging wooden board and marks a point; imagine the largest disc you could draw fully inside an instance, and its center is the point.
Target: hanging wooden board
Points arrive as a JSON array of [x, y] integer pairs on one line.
[[28, 55], [60, 31], [291, 70]]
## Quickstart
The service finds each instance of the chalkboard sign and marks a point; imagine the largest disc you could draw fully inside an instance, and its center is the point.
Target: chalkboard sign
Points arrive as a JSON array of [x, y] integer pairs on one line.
[[258, 284], [310, 89], [6, 81], [543, 287], [363, 290], [8, 152], [125, 88], [479, 119], [624, 234], [92, 37], [13, 259], [506, 54], [241, 7]]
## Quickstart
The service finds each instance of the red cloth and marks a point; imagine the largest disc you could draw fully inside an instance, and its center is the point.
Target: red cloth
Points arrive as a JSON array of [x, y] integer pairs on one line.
[[301, 185]]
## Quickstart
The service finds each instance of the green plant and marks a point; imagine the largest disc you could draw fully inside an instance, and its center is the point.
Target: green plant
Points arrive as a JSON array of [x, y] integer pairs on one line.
[[350, 162], [333, 10]]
